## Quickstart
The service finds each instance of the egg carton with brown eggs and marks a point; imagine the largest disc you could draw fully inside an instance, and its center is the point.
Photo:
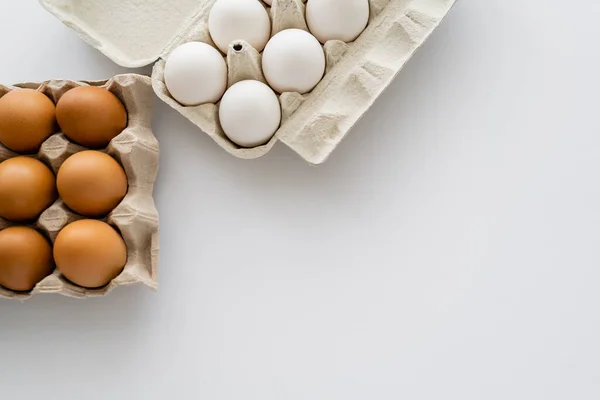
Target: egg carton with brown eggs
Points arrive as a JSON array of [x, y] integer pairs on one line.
[[134, 34], [136, 218]]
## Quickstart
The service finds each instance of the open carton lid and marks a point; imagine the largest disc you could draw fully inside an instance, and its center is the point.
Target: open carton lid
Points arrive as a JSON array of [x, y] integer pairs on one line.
[[135, 33], [132, 33]]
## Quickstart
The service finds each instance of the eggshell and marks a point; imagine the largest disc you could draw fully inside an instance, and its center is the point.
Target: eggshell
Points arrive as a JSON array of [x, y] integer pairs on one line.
[[337, 19], [27, 119], [196, 73], [293, 61], [250, 113], [91, 183], [89, 253], [27, 188], [231, 20], [91, 116], [25, 258]]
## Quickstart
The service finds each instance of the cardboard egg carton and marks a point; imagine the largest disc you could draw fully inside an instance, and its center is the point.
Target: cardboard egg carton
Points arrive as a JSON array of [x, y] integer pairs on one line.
[[134, 34], [135, 217]]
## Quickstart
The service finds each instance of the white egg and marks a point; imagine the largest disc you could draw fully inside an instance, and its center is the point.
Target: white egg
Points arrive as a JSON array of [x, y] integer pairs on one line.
[[293, 61], [250, 113], [196, 73], [337, 19], [231, 20]]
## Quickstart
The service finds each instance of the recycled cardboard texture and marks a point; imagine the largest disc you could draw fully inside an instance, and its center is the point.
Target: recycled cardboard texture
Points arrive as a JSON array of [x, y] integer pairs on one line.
[[136, 217], [134, 33]]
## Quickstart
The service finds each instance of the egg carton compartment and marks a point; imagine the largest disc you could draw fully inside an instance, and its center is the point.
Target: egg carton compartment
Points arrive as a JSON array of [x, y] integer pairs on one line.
[[313, 124], [136, 217]]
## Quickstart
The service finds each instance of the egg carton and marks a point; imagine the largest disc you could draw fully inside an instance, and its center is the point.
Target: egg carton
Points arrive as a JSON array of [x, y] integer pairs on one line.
[[135, 217], [134, 34]]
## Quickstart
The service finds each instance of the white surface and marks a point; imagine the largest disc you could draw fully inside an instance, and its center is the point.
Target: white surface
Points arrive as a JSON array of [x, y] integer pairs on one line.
[[464, 266]]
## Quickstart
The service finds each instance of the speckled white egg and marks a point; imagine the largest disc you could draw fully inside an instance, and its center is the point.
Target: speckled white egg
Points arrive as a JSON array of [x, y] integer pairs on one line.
[[337, 19], [250, 113], [196, 73], [231, 20], [293, 61]]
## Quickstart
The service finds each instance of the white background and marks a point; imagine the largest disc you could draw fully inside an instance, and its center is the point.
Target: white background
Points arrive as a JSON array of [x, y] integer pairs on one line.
[[449, 249]]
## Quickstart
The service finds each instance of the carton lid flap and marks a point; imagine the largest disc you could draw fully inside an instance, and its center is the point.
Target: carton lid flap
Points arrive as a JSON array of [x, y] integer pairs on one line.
[[133, 33]]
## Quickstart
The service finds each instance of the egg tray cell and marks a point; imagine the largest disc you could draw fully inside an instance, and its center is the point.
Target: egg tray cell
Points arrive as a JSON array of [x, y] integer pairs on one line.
[[136, 218], [313, 124]]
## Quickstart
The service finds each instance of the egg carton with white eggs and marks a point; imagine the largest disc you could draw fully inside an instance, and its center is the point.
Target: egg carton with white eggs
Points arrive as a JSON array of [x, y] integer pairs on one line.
[[363, 44], [134, 219]]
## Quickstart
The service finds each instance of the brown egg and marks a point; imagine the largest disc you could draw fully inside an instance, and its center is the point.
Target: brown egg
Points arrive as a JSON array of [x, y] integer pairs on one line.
[[91, 183], [27, 188], [91, 116], [25, 258], [27, 119], [89, 253]]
